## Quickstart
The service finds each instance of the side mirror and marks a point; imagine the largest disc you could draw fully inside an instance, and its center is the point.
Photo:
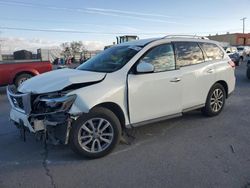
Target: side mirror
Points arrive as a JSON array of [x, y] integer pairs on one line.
[[144, 67]]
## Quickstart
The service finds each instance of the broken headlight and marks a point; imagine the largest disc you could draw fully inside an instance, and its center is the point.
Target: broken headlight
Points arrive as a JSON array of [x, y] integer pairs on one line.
[[52, 103]]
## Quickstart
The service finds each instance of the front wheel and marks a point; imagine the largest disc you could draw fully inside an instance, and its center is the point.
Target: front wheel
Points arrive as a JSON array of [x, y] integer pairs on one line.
[[215, 100], [95, 134]]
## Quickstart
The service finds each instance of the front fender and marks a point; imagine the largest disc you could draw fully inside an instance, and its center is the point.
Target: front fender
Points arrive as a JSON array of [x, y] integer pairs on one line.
[[108, 91]]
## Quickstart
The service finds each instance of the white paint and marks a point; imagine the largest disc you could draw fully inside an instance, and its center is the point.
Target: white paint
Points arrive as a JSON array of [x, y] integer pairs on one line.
[[58, 79]]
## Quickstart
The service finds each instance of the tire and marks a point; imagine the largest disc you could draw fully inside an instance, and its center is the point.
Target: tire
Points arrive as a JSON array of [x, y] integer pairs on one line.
[[21, 78], [248, 73], [215, 101], [87, 139]]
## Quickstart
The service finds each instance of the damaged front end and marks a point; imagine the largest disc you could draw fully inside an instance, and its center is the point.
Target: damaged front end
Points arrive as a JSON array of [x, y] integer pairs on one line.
[[46, 115]]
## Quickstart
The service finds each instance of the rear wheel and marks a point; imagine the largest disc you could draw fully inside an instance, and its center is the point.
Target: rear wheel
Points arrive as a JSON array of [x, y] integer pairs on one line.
[[95, 134], [215, 100], [21, 78]]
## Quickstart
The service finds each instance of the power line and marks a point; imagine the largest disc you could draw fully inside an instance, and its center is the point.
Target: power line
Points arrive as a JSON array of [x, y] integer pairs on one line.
[[74, 31], [100, 32], [63, 21]]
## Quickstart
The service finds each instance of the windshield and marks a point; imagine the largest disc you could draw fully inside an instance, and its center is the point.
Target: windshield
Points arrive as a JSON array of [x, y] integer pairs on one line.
[[111, 59], [240, 48]]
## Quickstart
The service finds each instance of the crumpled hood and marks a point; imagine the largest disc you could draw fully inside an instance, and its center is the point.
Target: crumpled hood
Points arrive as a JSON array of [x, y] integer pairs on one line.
[[58, 79]]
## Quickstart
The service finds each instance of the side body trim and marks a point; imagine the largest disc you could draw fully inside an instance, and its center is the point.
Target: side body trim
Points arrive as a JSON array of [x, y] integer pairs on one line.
[[193, 108], [156, 120]]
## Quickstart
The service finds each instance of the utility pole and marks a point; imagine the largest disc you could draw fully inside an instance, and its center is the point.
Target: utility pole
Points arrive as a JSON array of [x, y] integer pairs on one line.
[[243, 20]]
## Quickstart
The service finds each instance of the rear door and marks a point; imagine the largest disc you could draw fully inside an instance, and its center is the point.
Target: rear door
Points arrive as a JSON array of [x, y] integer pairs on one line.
[[197, 74]]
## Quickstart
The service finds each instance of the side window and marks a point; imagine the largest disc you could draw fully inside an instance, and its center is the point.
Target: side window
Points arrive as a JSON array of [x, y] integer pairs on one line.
[[188, 53], [212, 51], [162, 57]]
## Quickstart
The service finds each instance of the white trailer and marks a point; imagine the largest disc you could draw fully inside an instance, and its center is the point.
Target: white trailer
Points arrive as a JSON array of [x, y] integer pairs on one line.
[[48, 54]]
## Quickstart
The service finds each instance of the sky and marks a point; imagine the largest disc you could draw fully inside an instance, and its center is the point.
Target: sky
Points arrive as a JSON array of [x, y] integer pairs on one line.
[[34, 23]]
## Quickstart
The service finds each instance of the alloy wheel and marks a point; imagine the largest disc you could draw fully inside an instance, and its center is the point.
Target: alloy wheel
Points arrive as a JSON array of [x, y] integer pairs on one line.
[[95, 135], [216, 101]]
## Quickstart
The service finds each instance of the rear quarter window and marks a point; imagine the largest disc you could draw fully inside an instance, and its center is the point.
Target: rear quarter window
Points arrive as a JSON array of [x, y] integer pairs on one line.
[[212, 51]]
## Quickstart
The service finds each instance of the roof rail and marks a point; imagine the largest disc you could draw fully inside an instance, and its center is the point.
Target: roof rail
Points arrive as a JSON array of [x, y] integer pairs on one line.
[[186, 36]]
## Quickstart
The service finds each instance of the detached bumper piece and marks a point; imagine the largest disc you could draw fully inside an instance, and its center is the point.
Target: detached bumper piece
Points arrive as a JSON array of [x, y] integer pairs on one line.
[[53, 127]]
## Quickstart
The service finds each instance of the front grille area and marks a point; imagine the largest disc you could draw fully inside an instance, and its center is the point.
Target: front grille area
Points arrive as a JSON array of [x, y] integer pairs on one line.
[[20, 101]]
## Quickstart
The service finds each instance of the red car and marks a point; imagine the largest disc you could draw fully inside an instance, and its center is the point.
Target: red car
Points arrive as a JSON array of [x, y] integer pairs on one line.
[[18, 71]]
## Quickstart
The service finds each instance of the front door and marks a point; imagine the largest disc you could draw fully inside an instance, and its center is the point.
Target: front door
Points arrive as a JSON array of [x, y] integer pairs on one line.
[[157, 94]]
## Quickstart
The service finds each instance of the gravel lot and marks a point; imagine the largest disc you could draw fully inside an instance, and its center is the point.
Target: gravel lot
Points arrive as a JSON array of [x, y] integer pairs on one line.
[[191, 151]]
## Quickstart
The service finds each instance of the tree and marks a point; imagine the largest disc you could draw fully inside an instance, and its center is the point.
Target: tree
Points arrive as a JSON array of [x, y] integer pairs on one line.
[[72, 48], [76, 47], [66, 51]]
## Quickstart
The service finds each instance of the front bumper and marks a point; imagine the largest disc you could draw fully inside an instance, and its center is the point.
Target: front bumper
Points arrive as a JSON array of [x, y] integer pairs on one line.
[[54, 124], [21, 118], [20, 107], [21, 111]]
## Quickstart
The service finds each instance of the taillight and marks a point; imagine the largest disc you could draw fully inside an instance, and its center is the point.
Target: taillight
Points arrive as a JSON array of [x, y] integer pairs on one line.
[[231, 63]]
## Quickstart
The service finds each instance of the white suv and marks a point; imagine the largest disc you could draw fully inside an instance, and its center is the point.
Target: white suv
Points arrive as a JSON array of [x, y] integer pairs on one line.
[[125, 86]]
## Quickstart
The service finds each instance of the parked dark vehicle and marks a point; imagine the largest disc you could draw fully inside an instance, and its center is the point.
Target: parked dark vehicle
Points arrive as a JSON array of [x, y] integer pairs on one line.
[[240, 51], [248, 69], [233, 53], [235, 57]]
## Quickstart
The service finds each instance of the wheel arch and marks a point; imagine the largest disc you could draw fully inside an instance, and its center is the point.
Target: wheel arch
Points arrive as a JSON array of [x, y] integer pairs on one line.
[[224, 84], [24, 72], [116, 109]]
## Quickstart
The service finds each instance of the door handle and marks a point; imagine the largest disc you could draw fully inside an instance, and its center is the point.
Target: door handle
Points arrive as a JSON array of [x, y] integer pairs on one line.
[[175, 80], [210, 70]]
